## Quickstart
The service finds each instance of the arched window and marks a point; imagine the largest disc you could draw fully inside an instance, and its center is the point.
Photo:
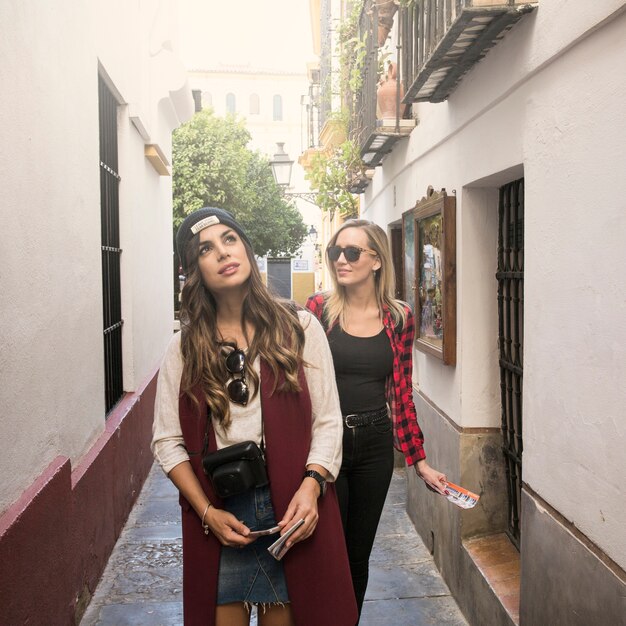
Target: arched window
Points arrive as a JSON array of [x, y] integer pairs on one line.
[[278, 108], [207, 100], [230, 103], [255, 107]]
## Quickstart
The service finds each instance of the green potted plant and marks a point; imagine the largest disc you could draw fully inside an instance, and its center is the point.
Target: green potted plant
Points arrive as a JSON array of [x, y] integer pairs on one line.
[[332, 175]]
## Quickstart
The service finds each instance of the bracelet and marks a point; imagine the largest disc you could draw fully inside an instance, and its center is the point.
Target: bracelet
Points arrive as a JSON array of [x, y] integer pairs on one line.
[[205, 526]]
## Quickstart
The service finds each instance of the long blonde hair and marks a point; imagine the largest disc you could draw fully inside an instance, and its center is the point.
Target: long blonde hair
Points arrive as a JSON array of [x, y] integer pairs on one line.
[[384, 279], [278, 337]]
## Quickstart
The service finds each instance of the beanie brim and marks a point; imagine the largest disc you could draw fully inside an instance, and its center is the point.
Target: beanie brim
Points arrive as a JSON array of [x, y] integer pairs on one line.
[[198, 221]]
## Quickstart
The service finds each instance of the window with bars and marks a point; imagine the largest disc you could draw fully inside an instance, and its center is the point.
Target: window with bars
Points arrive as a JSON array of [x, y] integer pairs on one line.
[[510, 276], [111, 251]]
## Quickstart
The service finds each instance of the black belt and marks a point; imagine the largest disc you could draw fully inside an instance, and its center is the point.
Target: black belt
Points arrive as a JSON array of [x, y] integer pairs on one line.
[[367, 417]]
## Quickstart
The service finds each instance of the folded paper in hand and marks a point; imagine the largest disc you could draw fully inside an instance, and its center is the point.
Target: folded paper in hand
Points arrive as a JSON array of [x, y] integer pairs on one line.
[[460, 496], [279, 548]]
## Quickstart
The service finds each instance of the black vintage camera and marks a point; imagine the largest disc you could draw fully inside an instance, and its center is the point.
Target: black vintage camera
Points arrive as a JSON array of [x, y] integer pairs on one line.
[[235, 469]]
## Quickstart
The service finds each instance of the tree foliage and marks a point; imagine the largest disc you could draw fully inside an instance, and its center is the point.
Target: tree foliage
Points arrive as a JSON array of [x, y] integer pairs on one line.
[[213, 167], [331, 175]]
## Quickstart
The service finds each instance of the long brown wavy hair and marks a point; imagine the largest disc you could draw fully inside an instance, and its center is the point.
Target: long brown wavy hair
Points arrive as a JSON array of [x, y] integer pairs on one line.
[[278, 337], [384, 280]]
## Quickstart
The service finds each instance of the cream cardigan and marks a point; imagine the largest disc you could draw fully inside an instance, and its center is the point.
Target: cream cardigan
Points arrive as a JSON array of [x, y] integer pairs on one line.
[[327, 428]]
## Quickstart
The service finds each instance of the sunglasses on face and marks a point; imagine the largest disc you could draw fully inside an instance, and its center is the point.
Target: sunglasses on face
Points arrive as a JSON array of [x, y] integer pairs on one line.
[[351, 253], [238, 390]]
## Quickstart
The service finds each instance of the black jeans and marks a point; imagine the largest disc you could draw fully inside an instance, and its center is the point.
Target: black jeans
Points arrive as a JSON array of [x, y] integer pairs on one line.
[[362, 487]]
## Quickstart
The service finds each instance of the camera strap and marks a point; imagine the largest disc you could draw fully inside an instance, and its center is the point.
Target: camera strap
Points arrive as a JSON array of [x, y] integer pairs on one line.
[[205, 443]]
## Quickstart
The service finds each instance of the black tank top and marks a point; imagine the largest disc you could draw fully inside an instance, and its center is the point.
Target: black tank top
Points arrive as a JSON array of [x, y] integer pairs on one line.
[[362, 365]]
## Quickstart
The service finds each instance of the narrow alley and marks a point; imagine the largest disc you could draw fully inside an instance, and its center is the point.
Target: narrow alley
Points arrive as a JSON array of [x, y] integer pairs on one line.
[[141, 585]]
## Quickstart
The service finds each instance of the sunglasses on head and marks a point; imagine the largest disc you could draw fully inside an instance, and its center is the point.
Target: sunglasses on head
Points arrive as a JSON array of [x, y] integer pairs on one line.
[[351, 253], [238, 390]]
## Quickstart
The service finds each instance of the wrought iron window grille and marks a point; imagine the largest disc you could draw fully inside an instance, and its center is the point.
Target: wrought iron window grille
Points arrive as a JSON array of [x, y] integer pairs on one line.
[[110, 247], [510, 276]]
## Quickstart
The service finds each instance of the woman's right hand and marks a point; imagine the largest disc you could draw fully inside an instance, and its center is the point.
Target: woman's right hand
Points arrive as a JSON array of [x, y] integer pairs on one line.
[[227, 528], [433, 479]]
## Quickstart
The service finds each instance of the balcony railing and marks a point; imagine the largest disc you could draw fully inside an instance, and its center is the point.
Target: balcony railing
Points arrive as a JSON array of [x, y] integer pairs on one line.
[[375, 137], [443, 39], [363, 104]]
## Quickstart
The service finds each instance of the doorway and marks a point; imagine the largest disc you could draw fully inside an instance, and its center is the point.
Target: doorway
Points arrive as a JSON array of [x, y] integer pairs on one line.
[[279, 277]]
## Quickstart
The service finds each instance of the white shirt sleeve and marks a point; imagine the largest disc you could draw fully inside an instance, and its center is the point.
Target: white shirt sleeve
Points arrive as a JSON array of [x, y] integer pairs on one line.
[[327, 424], [168, 445]]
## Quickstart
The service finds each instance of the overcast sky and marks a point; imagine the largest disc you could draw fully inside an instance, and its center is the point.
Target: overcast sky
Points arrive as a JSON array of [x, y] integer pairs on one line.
[[270, 34]]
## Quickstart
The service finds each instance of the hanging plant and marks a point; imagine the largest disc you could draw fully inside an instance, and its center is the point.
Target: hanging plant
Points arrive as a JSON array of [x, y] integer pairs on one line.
[[382, 67], [352, 51], [331, 176]]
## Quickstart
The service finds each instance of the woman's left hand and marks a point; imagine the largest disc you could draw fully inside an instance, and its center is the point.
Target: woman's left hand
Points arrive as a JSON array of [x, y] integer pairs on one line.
[[436, 481], [303, 505]]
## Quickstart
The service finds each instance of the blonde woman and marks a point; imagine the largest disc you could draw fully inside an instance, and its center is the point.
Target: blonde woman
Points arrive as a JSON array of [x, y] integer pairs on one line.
[[248, 367], [371, 339]]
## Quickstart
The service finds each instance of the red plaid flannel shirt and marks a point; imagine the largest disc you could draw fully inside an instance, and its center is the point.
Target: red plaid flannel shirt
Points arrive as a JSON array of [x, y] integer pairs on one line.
[[407, 434]]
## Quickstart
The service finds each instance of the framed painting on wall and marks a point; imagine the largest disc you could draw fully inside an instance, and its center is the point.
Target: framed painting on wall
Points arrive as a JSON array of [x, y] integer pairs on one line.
[[434, 274], [408, 258]]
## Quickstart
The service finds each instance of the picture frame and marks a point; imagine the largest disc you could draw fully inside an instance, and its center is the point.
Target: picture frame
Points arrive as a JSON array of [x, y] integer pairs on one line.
[[408, 257], [430, 272]]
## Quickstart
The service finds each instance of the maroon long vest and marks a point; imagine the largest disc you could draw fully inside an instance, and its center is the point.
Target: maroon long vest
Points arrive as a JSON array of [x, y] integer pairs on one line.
[[316, 570]]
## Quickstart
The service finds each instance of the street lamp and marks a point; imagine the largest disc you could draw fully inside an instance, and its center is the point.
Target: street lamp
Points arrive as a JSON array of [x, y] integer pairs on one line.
[[281, 166], [312, 237]]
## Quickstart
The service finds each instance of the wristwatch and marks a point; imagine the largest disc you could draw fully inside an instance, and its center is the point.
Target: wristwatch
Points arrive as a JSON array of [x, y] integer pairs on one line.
[[321, 481]]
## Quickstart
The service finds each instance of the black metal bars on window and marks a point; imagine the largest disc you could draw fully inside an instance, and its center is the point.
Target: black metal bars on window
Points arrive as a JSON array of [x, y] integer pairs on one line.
[[510, 277], [111, 251]]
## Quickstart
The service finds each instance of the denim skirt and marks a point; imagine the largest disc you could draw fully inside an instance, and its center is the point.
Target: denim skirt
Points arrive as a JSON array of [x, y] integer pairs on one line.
[[251, 574]]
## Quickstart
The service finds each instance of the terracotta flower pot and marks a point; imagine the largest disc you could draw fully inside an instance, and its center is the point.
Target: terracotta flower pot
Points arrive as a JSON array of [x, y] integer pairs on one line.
[[386, 10], [386, 95]]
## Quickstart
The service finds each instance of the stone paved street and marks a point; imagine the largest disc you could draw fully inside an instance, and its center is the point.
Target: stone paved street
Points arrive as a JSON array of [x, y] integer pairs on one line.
[[141, 585]]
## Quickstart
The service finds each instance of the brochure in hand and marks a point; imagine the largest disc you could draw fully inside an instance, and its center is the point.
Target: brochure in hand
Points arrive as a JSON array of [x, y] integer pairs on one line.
[[460, 496], [279, 548]]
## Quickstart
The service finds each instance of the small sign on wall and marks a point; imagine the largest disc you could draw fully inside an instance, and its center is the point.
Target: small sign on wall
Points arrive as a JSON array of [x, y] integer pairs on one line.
[[300, 265]]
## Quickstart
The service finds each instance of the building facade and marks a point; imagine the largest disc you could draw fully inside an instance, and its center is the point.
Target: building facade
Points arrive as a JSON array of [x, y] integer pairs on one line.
[[275, 106], [91, 94], [502, 203]]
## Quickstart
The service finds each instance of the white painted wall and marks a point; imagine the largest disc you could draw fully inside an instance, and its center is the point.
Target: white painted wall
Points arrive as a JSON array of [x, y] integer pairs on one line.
[[51, 363], [548, 103]]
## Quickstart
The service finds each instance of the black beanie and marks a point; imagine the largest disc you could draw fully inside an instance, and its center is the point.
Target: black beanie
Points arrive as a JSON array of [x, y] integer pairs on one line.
[[201, 219]]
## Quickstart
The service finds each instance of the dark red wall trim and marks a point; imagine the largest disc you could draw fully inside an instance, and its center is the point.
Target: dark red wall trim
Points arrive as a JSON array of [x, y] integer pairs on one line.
[[56, 539]]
